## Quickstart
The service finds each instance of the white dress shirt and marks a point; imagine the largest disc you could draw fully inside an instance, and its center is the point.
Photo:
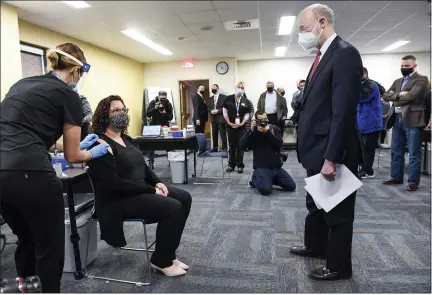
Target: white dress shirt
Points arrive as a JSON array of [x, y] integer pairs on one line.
[[326, 45], [270, 103], [216, 97]]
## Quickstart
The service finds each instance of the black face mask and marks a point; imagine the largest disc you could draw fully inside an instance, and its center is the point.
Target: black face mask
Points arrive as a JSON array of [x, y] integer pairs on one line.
[[406, 71], [214, 91], [282, 93], [119, 120], [202, 91], [270, 89]]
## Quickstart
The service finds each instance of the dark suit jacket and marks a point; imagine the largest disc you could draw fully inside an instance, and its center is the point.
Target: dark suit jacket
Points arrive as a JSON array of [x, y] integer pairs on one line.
[[412, 104], [327, 126], [281, 105], [200, 109], [219, 116]]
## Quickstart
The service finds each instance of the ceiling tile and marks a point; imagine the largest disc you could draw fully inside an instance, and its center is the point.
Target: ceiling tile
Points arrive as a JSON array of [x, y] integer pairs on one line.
[[221, 37], [199, 17], [238, 13], [272, 22], [360, 6], [409, 5], [380, 25], [356, 16], [217, 27], [188, 6], [231, 4], [274, 9]]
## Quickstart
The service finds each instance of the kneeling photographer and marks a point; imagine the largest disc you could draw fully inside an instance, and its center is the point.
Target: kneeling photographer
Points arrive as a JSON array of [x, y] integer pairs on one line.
[[160, 110], [266, 142]]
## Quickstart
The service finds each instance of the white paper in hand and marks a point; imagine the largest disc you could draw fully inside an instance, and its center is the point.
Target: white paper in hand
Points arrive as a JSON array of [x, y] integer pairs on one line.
[[328, 194], [315, 201]]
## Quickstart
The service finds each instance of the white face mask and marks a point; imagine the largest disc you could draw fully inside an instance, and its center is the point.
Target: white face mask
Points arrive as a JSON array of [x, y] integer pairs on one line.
[[239, 91], [307, 40]]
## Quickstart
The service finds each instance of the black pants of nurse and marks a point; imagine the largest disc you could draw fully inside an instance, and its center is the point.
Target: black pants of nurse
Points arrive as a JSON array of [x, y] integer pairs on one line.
[[32, 205]]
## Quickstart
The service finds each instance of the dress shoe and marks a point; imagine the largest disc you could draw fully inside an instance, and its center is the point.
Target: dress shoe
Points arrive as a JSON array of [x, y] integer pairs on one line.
[[323, 273], [180, 264], [230, 169], [412, 187], [240, 170], [302, 251], [392, 181], [170, 271]]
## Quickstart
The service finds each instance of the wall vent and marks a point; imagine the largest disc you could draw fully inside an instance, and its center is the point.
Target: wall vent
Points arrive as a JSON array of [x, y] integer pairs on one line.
[[238, 25]]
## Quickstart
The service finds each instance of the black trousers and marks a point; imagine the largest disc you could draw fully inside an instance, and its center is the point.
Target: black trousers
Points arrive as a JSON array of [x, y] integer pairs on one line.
[[369, 142], [236, 153], [170, 212], [383, 135], [200, 128], [32, 205], [216, 128], [331, 233]]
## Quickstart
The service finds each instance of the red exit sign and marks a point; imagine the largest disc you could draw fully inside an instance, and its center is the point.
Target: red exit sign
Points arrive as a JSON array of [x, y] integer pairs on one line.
[[188, 64]]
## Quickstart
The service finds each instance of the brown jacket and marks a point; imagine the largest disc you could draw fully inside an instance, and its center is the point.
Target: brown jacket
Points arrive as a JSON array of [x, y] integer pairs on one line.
[[410, 99]]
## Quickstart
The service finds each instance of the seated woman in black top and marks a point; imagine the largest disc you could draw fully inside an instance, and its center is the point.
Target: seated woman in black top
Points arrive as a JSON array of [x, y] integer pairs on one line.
[[127, 188]]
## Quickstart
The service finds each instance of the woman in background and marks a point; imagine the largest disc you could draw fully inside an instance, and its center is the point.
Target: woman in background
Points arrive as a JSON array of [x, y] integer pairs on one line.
[[236, 110], [127, 188]]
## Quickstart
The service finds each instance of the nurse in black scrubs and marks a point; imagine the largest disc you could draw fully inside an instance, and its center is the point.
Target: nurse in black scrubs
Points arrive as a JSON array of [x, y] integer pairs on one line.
[[35, 113]]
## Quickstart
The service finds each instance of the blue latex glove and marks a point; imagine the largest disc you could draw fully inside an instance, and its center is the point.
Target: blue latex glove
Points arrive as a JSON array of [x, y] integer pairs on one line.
[[99, 150], [88, 141]]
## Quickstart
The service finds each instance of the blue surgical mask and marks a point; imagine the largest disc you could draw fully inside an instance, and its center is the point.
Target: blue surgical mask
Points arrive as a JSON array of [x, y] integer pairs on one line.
[[239, 91]]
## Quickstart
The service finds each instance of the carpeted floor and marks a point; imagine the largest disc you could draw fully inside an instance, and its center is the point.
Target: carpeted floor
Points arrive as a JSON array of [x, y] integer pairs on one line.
[[238, 241]]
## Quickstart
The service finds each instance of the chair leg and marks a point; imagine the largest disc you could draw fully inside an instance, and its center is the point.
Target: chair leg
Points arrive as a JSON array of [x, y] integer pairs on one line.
[[202, 166], [147, 253]]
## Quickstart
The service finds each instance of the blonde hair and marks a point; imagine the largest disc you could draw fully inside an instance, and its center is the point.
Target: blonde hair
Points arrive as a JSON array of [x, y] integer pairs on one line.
[[240, 83], [58, 61]]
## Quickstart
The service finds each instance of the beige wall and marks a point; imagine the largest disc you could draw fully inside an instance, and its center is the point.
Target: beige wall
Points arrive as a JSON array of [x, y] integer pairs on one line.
[[110, 73], [10, 49], [168, 74], [383, 68]]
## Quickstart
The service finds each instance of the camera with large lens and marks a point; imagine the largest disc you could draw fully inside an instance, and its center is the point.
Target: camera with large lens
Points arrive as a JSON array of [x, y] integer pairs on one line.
[[21, 285], [262, 122]]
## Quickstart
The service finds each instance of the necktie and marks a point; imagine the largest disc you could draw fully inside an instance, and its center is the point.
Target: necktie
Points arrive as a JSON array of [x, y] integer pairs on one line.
[[315, 64], [405, 80]]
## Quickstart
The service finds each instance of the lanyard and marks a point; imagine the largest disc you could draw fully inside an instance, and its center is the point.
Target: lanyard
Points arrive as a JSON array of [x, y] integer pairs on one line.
[[237, 106]]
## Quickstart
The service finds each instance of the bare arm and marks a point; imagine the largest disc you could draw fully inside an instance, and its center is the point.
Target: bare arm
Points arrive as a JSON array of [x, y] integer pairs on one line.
[[71, 145], [225, 114]]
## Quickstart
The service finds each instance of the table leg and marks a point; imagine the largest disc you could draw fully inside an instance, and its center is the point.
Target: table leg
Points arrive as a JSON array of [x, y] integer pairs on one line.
[[185, 181], [79, 274], [194, 174]]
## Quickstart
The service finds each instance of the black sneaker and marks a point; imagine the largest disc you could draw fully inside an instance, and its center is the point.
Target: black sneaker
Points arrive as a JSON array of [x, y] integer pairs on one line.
[[364, 175], [240, 170], [250, 183], [230, 169]]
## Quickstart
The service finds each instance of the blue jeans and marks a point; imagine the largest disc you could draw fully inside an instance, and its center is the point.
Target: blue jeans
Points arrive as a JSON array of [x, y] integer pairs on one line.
[[264, 178], [401, 136]]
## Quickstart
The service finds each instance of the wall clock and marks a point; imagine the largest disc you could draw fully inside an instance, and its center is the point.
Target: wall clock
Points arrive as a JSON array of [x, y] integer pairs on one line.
[[222, 68]]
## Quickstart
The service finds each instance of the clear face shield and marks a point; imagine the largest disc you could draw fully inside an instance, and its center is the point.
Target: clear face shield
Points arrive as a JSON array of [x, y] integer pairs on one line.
[[77, 83]]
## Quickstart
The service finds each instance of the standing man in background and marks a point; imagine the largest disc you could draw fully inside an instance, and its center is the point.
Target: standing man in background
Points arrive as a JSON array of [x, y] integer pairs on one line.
[[369, 118], [200, 115], [274, 105], [87, 114], [327, 135], [216, 118], [407, 95], [297, 100]]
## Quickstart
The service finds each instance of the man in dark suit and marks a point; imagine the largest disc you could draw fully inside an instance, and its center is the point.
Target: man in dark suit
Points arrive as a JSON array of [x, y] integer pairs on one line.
[[200, 115], [327, 134], [407, 112], [217, 119]]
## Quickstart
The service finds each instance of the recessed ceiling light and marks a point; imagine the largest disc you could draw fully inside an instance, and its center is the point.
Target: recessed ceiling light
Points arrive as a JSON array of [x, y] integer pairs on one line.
[[77, 4], [207, 28], [182, 38], [146, 41], [286, 24], [395, 45], [280, 51]]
